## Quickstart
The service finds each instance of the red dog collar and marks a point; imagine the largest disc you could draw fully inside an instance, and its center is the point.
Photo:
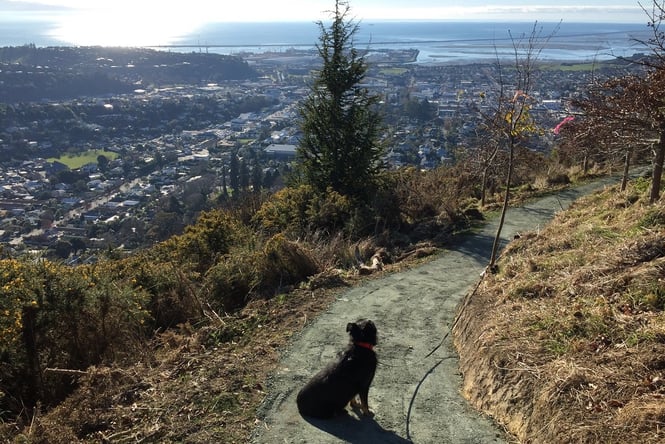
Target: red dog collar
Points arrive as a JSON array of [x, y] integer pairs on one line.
[[366, 345]]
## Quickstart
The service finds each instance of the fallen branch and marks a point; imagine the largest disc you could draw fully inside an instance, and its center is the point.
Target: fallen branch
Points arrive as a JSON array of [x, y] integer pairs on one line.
[[66, 371]]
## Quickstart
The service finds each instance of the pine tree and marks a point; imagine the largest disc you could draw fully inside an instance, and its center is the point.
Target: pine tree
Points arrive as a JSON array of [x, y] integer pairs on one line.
[[340, 146], [234, 175], [225, 191], [244, 175], [257, 173]]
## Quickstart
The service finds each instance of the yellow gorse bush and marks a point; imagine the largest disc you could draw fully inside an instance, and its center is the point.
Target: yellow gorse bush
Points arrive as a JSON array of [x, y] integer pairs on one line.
[[15, 295], [53, 315]]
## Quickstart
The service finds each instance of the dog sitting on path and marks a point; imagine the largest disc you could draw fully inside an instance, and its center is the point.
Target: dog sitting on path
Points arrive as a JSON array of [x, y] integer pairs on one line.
[[329, 391]]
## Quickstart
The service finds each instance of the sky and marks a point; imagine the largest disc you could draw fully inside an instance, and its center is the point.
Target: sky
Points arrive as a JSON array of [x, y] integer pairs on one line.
[[139, 21]]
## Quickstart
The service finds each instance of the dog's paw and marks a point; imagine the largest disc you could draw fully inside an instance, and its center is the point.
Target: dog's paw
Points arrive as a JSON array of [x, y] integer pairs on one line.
[[359, 408], [367, 412]]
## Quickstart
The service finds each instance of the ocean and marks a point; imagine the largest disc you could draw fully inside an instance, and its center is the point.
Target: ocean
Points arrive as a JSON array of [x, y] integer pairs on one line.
[[437, 41]]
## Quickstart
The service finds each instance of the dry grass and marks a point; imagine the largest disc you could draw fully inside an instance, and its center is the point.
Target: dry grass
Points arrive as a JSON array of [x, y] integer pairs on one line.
[[574, 323], [195, 384]]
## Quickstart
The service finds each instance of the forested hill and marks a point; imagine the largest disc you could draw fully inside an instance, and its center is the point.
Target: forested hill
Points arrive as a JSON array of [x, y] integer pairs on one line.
[[30, 73]]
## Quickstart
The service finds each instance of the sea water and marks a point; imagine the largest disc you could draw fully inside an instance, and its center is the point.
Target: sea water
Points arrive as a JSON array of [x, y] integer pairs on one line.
[[437, 41]]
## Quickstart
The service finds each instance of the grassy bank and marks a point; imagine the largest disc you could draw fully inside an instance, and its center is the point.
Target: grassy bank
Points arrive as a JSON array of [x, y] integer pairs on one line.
[[566, 342]]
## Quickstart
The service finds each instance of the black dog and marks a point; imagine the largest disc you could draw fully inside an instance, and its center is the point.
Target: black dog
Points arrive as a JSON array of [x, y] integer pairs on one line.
[[337, 385]]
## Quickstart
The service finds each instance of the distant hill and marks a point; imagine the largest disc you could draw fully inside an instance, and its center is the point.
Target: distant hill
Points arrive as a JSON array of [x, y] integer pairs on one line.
[[29, 73]]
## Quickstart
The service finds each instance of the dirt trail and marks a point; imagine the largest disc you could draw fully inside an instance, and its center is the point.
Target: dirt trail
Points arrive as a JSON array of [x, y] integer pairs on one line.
[[416, 391]]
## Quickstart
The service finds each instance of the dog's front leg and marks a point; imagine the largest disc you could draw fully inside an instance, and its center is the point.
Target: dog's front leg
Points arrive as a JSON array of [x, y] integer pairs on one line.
[[357, 404], [364, 406]]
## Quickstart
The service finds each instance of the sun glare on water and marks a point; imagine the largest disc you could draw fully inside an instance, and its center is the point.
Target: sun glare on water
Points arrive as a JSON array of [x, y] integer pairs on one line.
[[155, 22], [123, 26]]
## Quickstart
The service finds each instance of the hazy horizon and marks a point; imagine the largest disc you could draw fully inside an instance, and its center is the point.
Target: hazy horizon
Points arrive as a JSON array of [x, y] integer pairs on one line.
[[147, 22]]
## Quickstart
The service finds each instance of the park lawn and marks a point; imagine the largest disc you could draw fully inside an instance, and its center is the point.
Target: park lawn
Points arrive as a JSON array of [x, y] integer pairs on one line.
[[77, 161], [393, 71], [578, 67]]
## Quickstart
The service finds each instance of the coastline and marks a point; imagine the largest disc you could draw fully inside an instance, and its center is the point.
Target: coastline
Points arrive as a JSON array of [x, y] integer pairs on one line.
[[436, 42]]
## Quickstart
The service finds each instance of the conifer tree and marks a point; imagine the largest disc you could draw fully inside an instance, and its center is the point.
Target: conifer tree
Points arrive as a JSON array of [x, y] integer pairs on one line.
[[225, 190], [234, 174], [340, 146], [257, 173], [243, 175]]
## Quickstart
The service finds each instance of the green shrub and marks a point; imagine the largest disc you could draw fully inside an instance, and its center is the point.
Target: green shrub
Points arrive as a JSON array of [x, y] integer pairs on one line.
[[286, 263], [300, 211], [329, 212], [558, 179], [53, 316], [286, 210], [170, 284], [229, 282], [423, 195], [212, 236], [237, 277], [641, 184], [654, 218]]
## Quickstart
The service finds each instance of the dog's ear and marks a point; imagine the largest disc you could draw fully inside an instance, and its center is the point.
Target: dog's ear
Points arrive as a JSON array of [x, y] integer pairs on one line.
[[369, 332], [354, 330]]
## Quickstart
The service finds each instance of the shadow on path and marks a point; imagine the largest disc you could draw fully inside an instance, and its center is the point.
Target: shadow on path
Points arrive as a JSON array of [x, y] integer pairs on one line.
[[353, 430], [477, 246]]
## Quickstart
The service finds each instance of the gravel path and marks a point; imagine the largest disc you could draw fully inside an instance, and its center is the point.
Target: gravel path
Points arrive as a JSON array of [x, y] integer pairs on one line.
[[415, 393]]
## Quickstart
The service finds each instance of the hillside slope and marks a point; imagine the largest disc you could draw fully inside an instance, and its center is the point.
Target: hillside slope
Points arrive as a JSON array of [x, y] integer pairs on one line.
[[566, 343], [201, 384]]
